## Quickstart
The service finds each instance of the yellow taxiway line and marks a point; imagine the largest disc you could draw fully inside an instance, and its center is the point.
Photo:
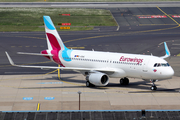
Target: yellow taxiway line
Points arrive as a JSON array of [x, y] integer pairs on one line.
[[38, 107], [168, 15]]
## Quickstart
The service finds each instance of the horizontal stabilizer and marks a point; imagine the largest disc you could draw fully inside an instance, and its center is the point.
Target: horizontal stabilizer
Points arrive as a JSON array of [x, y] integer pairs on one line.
[[39, 54]]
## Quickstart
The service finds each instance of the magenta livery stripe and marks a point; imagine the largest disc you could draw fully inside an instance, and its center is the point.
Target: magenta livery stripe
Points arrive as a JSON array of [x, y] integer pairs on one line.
[[53, 41], [45, 52], [56, 48]]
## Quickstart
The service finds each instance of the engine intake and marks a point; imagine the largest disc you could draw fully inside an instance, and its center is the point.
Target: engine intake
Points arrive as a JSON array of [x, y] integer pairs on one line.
[[98, 79]]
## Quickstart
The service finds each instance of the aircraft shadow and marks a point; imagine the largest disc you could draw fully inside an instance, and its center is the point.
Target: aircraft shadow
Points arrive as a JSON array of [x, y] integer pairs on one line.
[[59, 87], [140, 85]]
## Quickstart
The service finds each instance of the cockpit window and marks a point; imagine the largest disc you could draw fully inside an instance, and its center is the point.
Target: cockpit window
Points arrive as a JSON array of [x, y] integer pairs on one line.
[[155, 64], [161, 64]]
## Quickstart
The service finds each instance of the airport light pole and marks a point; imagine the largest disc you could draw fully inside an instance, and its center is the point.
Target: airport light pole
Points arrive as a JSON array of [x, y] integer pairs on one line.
[[79, 92]]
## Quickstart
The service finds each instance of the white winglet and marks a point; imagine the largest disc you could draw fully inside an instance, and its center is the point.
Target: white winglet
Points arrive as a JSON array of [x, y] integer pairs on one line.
[[9, 58], [167, 51]]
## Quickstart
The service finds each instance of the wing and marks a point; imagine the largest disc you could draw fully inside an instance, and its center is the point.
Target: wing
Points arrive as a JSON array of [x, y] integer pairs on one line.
[[62, 68]]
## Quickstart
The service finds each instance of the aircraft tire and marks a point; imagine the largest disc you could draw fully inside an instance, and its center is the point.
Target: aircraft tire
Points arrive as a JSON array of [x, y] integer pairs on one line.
[[122, 81], [153, 88], [126, 81], [88, 84]]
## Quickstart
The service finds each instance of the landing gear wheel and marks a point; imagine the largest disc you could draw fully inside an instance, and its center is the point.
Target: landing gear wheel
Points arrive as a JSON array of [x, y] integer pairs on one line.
[[121, 81], [87, 84], [124, 81], [153, 88]]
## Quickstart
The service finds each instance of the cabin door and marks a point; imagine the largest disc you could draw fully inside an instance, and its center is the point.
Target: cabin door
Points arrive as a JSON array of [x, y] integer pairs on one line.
[[145, 65]]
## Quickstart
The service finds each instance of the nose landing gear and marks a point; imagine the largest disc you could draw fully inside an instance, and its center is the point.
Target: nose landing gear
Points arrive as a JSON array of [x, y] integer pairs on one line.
[[153, 87]]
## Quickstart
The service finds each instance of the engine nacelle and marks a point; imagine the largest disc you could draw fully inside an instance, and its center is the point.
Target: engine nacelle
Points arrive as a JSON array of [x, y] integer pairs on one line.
[[98, 79]]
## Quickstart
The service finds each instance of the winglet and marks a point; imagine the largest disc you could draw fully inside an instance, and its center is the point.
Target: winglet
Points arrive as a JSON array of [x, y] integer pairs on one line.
[[167, 51], [9, 58]]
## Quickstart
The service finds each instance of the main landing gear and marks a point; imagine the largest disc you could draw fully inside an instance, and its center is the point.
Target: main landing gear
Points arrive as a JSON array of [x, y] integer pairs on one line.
[[124, 81], [153, 87], [88, 84]]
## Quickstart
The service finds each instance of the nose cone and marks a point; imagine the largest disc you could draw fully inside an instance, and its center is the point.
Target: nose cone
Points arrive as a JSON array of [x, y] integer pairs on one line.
[[169, 73]]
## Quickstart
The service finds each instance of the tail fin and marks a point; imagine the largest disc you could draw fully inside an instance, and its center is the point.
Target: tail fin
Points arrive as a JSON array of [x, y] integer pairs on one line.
[[56, 48], [54, 41]]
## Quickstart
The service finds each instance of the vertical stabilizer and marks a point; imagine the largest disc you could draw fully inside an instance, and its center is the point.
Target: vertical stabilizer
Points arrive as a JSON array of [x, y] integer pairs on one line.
[[54, 41]]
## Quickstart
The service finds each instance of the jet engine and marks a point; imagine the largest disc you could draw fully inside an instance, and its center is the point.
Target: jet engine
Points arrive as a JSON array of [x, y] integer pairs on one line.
[[98, 79]]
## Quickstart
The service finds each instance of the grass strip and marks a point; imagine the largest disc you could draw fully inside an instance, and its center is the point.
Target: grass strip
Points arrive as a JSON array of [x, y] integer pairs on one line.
[[31, 19]]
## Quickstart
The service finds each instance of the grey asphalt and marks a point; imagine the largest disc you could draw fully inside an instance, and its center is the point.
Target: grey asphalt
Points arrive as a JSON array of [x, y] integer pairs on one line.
[[130, 16]]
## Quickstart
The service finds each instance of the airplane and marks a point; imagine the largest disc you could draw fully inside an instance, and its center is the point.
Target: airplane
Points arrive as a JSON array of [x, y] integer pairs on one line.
[[99, 66]]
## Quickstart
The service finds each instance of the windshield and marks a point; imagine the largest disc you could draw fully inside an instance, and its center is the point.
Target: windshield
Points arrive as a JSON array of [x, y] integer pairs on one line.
[[161, 65]]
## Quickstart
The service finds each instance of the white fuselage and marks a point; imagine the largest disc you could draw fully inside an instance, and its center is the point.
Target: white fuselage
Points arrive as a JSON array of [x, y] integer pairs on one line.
[[125, 65]]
